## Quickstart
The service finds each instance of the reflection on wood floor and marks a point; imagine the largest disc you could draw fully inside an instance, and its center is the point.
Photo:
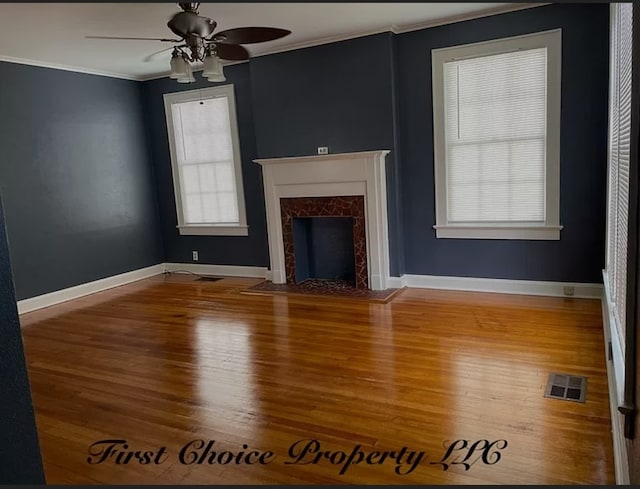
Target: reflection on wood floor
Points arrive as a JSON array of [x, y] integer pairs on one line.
[[168, 361]]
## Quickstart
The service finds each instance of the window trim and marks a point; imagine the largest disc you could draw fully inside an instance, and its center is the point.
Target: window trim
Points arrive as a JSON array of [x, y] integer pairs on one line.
[[222, 229], [548, 230]]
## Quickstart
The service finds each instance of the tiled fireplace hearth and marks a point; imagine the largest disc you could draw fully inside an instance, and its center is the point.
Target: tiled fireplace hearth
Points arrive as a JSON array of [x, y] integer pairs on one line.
[[335, 185]]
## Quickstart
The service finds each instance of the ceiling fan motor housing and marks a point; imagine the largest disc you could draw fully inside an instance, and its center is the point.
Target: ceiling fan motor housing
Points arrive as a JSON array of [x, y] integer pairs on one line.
[[190, 24]]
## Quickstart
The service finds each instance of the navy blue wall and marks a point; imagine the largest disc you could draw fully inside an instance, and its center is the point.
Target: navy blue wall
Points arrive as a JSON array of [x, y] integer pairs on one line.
[[20, 461], [579, 255], [76, 178], [249, 250], [396, 227], [338, 95]]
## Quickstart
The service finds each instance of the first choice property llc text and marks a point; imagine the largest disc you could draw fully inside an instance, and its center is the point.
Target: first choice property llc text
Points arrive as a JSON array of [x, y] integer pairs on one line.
[[404, 460]]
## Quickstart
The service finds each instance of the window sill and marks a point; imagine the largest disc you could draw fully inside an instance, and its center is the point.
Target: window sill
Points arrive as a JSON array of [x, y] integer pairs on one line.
[[493, 231], [214, 230]]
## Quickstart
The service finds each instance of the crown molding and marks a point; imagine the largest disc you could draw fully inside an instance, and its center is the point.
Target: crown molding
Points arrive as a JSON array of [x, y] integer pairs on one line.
[[395, 29], [61, 67], [471, 16], [324, 40]]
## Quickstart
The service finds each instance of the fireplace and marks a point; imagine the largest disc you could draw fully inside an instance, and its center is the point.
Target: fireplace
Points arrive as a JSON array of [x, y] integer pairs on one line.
[[349, 185], [323, 249], [336, 207]]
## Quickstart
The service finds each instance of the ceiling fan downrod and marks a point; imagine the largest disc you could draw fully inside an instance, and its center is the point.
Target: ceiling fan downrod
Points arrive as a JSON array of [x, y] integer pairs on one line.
[[190, 7]]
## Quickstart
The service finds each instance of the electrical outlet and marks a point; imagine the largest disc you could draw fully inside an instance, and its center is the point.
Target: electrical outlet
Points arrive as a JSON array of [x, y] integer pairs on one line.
[[568, 290], [195, 255], [323, 150]]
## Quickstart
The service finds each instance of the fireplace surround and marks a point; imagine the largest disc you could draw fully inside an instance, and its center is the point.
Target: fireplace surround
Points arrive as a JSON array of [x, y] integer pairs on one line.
[[335, 206], [332, 185]]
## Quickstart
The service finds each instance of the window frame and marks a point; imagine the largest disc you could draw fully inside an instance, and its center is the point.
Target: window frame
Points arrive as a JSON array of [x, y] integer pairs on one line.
[[527, 230], [211, 229]]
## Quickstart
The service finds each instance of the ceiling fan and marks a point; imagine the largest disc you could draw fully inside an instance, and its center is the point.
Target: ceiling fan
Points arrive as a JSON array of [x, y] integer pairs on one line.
[[199, 42]]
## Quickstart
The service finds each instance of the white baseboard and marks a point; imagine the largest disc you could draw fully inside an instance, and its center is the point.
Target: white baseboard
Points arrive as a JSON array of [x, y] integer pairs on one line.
[[396, 282], [620, 454], [502, 286], [468, 284], [52, 298], [223, 270], [46, 300]]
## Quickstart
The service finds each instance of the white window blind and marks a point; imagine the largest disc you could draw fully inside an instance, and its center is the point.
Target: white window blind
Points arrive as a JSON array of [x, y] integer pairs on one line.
[[495, 112], [204, 153], [619, 158]]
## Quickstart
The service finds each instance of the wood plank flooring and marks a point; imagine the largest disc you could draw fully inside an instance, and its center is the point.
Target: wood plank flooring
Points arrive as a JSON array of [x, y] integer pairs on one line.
[[168, 361]]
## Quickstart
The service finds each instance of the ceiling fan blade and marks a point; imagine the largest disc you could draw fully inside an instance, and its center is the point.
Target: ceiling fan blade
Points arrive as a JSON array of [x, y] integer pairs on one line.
[[148, 58], [134, 38], [231, 52], [248, 35]]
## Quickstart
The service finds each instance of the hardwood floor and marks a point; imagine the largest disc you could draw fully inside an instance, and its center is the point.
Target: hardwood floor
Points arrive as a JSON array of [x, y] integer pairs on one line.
[[169, 360]]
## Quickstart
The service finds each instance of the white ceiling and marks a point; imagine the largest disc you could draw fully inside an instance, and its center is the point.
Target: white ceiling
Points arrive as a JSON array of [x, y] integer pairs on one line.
[[53, 34]]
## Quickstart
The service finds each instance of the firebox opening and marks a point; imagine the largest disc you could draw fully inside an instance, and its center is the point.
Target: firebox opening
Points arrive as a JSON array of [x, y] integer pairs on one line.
[[323, 248]]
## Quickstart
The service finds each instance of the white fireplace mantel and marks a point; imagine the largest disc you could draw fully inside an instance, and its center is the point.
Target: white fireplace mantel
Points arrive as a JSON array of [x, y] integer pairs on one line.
[[330, 175]]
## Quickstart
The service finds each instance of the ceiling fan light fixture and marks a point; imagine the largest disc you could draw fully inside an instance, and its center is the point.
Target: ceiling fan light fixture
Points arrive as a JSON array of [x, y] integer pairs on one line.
[[213, 70], [188, 77], [179, 66], [216, 79]]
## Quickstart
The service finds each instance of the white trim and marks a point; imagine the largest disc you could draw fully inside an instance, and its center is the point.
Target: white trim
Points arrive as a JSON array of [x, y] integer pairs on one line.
[[217, 229], [396, 282], [620, 454], [223, 270], [552, 40], [508, 231], [359, 173], [501, 286], [616, 342], [330, 156], [213, 230], [63, 295], [61, 67]]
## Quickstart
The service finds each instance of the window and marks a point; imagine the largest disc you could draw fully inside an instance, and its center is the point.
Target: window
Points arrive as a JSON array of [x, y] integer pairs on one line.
[[205, 158], [496, 109], [615, 276]]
